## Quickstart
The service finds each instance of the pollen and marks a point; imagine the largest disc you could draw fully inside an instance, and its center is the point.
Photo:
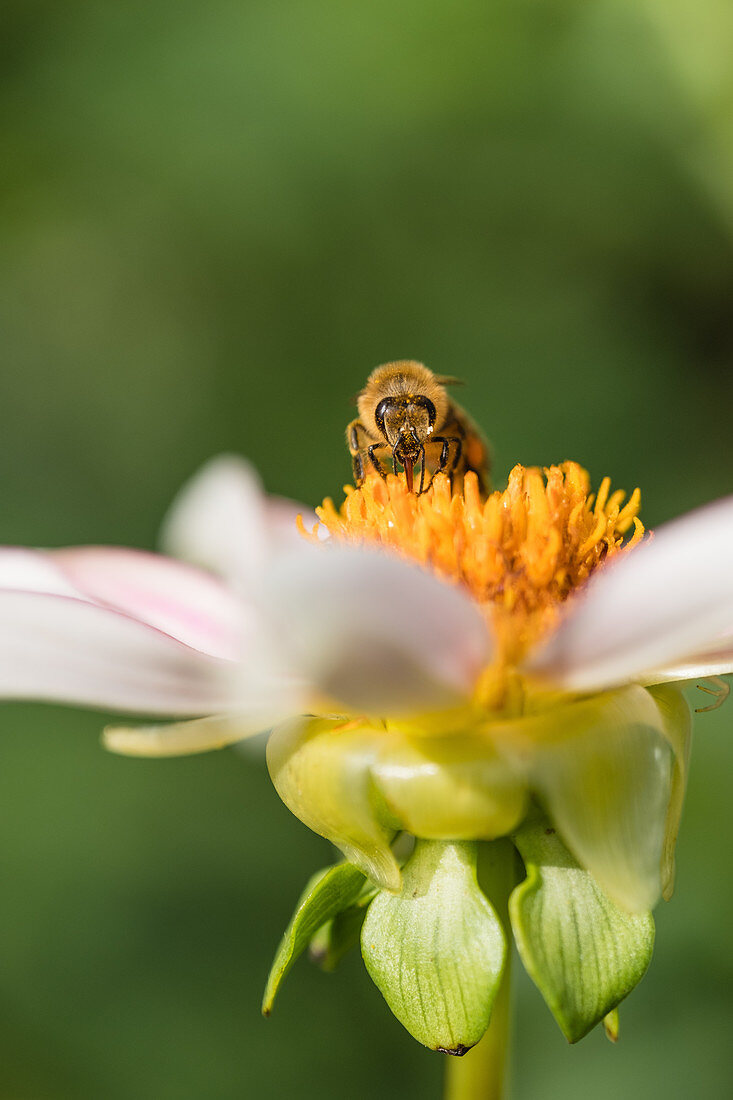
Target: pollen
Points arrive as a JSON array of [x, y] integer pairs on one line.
[[520, 552]]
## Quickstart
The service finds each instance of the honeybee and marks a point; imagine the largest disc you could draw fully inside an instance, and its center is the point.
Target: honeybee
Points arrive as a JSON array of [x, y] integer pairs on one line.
[[404, 409]]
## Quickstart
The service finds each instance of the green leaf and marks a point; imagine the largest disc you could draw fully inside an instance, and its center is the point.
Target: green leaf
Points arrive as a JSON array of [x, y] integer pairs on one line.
[[436, 951], [328, 893], [582, 952]]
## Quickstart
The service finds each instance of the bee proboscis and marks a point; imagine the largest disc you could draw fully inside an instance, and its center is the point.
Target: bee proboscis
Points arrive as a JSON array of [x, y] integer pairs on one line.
[[407, 418]]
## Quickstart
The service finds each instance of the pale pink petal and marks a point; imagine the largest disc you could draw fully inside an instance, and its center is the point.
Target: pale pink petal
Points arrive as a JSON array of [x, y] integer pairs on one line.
[[222, 520], [658, 607], [63, 649], [375, 632], [178, 599]]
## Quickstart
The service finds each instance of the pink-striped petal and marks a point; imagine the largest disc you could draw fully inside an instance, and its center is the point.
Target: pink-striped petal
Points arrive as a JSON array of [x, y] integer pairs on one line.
[[374, 632], [180, 600], [663, 606], [63, 649]]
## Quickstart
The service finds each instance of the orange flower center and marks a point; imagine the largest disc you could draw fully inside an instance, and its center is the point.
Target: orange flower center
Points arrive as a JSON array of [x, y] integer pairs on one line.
[[520, 553]]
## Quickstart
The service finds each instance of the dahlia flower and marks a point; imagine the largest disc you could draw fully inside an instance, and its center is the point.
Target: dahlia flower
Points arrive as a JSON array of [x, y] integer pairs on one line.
[[497, 678]]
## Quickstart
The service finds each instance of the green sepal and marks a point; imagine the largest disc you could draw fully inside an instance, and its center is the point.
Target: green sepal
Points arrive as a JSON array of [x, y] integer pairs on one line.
[[327, 893], [436, 950], [611, 1026], [337, 937], [583, 952]]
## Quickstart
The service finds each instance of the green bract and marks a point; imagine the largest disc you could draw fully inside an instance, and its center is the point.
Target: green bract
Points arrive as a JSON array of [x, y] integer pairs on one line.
[[436, 950], [582, 951], [327, 893]]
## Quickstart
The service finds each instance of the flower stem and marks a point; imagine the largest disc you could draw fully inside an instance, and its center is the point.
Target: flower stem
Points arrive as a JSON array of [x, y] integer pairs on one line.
[[481, 1073]]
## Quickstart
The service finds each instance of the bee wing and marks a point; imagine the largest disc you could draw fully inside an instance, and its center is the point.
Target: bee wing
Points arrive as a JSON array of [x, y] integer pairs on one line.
[[448, 380]]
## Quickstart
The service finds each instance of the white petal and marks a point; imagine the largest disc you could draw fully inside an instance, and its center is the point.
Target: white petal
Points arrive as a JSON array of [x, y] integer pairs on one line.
[[375, 632], [696, 667], [222, 520], [696, 670], [178, 738], [281, 522], [63, 649], [178, 599], [216, 520], [655, 608], [33, 571]]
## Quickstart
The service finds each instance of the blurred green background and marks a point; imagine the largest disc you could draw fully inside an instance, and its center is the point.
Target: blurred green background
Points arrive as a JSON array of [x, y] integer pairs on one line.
[[217, 219]]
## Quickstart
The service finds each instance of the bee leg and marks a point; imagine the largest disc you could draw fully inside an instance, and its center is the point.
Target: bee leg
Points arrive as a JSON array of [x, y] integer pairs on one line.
[[444, 465], [357, 465], [358, 439], [356, 436], [422, 470], [457, 456], [375, 461]]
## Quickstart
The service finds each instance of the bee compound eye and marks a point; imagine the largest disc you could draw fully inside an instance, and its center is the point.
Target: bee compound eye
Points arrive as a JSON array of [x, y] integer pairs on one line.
[[427, 406], [384, 409]]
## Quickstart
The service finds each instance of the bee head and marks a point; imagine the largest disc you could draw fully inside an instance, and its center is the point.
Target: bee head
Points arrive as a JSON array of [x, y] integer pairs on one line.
[[406, 420], [402, 400]]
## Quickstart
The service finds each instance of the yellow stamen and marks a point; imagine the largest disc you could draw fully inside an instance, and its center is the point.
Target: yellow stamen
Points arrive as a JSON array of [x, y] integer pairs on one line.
[[521, 552]]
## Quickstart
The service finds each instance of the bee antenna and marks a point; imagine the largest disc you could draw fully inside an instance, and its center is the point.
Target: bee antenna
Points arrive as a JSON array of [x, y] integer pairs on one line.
[[448, 380]]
